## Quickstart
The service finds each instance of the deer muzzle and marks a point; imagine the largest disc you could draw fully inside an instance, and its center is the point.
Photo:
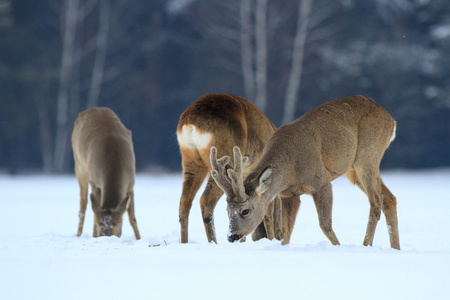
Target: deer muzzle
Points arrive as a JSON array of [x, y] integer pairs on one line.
[[234, 237]]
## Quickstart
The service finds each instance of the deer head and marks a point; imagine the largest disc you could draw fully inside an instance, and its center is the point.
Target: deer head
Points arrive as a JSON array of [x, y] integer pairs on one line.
[[108, 221], [245, 211]]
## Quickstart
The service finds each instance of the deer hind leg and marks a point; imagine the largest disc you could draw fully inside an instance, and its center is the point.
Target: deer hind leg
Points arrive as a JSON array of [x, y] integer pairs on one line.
[[323, 199], [389, 209], [290, 207], [83, 182], [370, 183], [208, 202], [132, 217], [193, 176], [390, 212]]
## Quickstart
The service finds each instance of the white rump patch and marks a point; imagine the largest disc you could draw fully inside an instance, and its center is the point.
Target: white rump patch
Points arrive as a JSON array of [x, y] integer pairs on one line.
[[393, 133], [190, 137]]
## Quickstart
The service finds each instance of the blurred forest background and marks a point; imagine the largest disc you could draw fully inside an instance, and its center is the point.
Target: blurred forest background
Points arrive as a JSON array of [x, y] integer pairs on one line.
[[149, 60]]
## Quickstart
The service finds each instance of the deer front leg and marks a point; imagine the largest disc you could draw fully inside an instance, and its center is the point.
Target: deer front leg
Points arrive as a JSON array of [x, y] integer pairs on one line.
[[323, 199], [278, 218], [290, 207], [259, 233], [267, 227], [81, 214], [268, 221], [132, 216], [83, 182], [208, 202]]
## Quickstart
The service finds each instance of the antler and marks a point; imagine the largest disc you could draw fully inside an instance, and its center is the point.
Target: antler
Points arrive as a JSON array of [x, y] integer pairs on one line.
[[231, 182], [218, 172]]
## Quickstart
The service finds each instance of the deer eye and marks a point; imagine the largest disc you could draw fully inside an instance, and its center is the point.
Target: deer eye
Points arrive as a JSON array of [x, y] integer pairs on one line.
[[245, 212]]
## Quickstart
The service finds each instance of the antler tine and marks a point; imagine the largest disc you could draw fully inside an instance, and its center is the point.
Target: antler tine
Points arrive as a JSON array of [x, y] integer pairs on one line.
[[237, 175], [239, 162], [218, 173]]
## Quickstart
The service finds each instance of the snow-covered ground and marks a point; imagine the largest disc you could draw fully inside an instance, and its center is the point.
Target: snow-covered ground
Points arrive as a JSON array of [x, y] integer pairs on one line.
[[41, 258]]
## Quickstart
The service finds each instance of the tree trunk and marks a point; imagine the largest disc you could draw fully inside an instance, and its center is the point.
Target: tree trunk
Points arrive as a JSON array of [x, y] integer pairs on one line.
[[298, 51], [100, 54], [70, 15], [261, 54], [247, 49], [45, 135]]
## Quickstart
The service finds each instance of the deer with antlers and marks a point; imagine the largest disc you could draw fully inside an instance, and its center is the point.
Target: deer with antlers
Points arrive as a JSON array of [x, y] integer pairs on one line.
[[343, 136], [222, 121], [104, 158]]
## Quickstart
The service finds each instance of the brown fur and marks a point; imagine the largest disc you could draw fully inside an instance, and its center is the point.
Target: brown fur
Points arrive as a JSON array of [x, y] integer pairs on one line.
[[222, 121], [104, 158], [344, 136]]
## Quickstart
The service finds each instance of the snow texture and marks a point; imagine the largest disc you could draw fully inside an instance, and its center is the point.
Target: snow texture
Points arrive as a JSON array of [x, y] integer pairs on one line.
[[41, 258]]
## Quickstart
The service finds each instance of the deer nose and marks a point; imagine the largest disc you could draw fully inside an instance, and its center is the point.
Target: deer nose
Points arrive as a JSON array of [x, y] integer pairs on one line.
[[234, 237]]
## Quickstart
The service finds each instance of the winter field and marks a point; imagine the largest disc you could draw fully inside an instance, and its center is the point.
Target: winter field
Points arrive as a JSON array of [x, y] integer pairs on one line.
[[41, 258]]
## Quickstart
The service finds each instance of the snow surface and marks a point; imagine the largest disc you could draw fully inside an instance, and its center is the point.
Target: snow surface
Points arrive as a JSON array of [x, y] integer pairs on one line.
[[41, 258]]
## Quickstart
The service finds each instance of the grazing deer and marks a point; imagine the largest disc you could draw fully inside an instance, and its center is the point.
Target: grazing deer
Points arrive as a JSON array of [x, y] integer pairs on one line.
[[222, 121], [104, 157], [344, 136]]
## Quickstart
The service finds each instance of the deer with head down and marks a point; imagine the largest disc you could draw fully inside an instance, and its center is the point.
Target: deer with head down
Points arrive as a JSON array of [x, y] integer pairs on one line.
[[343, 136], [222, 121], [104, 158]]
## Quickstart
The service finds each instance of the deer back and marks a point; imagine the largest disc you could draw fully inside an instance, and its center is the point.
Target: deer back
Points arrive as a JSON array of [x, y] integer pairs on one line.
[[223, 121], [103, 148], [327, 139]]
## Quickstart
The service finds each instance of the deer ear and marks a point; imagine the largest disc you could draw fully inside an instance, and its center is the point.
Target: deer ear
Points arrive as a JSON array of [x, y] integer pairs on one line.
[[264, 179], [94, 203], [95, 199], [123, 205]]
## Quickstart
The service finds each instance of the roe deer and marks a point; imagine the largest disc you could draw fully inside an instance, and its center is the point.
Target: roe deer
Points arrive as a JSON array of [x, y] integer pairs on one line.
[[222, 121], [104, 157], [344, 136]]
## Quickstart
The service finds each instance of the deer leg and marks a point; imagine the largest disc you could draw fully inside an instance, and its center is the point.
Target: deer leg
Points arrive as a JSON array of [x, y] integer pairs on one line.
[[83, 182], [268, 221], [259, 233], [266, 228], [132, 217], [390, 212], [370, 183], [208, 202], [290, 208], [192, 180], [323, 199], [278, 218]]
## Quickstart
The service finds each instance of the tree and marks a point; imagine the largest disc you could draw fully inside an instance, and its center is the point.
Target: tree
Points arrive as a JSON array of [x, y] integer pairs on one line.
[[298, 50], [71, 18], [83, 72], [98, 70]]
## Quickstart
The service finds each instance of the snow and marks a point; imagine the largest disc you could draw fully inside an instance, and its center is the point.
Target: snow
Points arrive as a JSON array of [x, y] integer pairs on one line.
[[41, 258]]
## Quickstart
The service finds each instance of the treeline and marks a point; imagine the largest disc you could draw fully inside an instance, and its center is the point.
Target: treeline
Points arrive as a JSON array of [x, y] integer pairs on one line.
[[148, 60]]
